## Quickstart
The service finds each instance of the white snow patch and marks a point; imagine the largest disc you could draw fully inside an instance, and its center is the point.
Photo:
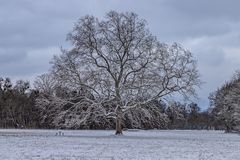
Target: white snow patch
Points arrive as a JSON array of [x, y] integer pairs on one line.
[[104, 145]]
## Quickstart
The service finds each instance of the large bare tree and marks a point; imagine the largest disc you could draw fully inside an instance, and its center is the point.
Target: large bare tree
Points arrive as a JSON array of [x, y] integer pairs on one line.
[[119, 62]]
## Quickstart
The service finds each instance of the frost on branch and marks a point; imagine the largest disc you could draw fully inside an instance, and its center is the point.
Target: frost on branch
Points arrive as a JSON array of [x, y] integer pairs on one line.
[[86, 114], [226, 104]]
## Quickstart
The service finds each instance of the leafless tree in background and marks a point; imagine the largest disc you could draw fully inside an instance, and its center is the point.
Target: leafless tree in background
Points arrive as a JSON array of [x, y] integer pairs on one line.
[[120, 63], [45, 83]]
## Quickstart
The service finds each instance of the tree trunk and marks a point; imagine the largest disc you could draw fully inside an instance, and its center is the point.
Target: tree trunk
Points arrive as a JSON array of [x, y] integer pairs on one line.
[[119, 121], [228, 129]]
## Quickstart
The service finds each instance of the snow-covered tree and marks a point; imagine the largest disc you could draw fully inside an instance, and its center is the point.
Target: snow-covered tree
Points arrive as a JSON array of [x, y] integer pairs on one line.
[[45, 83], [226, 104], [120, 66]]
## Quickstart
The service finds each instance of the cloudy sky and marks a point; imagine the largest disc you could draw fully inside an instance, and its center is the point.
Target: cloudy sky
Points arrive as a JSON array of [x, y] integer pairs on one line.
[[31, 32]]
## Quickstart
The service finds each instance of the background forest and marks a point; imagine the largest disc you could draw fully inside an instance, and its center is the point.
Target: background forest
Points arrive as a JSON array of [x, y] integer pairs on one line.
[[19, 109]]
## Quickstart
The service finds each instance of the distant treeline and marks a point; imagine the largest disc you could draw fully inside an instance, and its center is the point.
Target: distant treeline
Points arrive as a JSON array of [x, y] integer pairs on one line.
[[18, 109], [17, 105]]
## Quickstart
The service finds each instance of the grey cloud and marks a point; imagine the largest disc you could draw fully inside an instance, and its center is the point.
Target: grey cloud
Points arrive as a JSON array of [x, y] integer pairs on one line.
[[11, 56], [211, 56], [30, 63], [207, 9], [174, 19]]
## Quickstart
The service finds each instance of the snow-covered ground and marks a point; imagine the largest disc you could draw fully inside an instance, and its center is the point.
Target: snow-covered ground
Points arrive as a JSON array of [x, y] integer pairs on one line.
[[104, 145]]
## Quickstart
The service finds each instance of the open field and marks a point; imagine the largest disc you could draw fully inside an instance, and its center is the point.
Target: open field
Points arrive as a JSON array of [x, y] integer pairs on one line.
[[104, 145]]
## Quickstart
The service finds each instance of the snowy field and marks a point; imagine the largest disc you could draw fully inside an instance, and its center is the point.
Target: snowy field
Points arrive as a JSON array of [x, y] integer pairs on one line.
[[104, 145]]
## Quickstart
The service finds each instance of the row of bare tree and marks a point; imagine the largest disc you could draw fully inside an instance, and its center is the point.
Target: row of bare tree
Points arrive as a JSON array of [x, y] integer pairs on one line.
[[22, 107]]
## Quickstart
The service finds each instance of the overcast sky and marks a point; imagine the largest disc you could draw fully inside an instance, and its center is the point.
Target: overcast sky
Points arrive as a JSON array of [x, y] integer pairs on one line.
[[31, 32]]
